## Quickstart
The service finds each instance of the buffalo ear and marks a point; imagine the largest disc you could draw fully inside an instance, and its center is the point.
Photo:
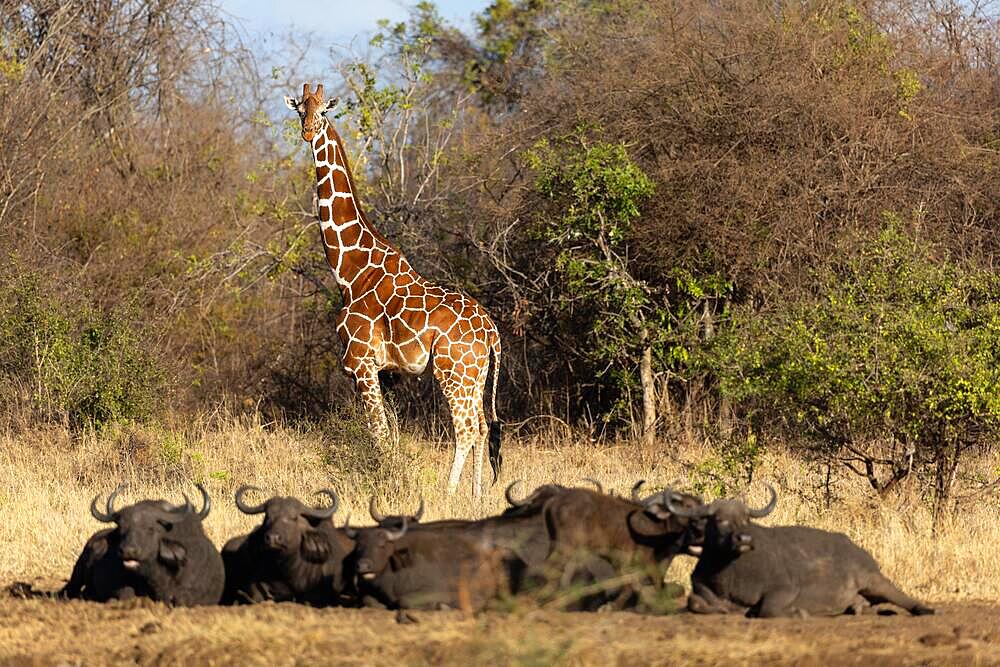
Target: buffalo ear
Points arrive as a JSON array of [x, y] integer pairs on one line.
[[400, 560], [172, 553], [315, 548], [658, 511], [644, 524]]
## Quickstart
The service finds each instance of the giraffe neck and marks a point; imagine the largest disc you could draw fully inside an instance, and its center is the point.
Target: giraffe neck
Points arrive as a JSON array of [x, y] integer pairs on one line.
[[352, 245]]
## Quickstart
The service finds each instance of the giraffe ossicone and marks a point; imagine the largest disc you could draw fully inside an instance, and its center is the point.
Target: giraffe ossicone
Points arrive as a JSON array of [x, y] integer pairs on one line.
[[392, 317]]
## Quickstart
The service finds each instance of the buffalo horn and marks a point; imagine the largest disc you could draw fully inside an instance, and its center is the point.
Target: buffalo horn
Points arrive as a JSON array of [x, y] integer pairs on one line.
[[324, 512], [377, 516], [420, 510], [767, 509], [695, 513], [206, 502], [350, 532], [594, 482], [242, 506], [393, 535], [109, 511], [635, 491], [509, 494]]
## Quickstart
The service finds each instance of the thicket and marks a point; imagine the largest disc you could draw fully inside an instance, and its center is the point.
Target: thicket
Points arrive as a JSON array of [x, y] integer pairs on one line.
[[651, 197]]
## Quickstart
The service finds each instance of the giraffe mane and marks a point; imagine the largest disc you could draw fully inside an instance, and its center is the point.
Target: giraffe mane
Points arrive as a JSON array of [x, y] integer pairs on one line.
[[350, 179]]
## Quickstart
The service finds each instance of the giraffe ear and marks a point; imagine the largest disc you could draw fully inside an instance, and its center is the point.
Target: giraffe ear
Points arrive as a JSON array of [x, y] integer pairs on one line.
[[331, 104], [291, 103]]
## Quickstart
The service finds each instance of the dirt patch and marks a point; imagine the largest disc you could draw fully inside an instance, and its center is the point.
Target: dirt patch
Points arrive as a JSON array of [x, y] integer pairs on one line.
[[48, 632]]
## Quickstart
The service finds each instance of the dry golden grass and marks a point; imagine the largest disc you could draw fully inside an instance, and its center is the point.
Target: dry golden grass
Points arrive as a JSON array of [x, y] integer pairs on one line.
[[47, 480]]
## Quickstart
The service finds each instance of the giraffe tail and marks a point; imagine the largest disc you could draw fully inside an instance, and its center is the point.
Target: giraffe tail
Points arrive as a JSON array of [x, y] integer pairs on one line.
[[496, 458]]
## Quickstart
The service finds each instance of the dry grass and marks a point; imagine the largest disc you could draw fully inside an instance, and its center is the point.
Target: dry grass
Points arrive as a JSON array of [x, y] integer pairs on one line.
[[47, 480]]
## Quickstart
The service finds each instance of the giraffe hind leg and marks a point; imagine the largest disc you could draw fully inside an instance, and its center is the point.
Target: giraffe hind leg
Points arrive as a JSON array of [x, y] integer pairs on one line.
[[463, 419]]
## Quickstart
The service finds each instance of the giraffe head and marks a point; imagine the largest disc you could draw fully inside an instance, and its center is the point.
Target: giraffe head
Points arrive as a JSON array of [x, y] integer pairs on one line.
[[310, 108]]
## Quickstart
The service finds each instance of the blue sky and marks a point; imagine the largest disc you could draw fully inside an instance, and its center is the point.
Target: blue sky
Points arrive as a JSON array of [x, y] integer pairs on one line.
[[336, 21]]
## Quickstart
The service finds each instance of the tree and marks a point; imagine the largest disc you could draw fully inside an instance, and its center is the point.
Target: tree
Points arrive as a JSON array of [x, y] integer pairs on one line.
[[599, 191], [891, 367]]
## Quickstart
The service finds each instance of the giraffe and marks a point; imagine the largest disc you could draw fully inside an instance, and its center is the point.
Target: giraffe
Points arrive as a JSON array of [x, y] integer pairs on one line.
[[392, 317]]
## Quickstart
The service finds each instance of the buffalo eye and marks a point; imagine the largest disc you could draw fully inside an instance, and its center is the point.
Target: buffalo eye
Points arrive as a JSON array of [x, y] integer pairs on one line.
[[166, 525]]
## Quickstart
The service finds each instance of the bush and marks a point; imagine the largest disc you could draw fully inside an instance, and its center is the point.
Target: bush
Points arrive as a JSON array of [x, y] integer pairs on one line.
[[892, 365], [356, 458], [79, 364]]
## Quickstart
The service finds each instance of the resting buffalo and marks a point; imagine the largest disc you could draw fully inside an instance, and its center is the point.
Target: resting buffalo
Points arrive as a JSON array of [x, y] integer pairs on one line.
[[783, 570], [428, 569], [597, 537], [296, 554], [156, 550]]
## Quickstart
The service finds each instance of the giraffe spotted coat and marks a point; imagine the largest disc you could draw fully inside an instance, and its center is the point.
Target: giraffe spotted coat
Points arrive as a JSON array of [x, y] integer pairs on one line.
[[395, 319]]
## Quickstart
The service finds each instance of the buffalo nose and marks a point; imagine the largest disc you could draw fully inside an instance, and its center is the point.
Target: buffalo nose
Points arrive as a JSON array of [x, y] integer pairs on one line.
[[128, 553], [274, 541], [364, 565]]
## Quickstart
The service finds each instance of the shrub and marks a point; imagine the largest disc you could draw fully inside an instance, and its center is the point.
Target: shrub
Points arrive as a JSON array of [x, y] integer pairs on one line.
[[891, 367], [356, 458], [79, 364]]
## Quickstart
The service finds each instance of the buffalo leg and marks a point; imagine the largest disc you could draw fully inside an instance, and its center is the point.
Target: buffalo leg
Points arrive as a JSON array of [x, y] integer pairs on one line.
[[858, 606], [74, 587], [704, 601], [777, 603], [880, 589], [125, 593]]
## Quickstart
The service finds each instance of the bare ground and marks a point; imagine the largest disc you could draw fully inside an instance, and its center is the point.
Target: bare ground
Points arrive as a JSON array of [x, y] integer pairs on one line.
[[49, 632]]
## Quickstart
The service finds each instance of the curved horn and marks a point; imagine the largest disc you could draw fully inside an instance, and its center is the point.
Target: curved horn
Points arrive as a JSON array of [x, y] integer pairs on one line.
[[393, 535], [108, 515], [695, 513], [591, 480], [420, 510], [242, 506], [350, 532], [509, 494], [659, 498], [324, 512], [635, 491], [766, 509], [377, 516], [181, 509], [206, 502]]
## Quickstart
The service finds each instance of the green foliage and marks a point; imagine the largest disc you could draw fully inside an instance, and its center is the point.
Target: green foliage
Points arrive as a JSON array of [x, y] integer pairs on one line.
[[730, 468], [601, 186], [507, 25], [866, 47], [80, 364], [896, 344], [597, 192]]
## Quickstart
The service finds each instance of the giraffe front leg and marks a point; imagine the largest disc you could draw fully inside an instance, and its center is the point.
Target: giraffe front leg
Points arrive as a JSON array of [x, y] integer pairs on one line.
[[366, 380]]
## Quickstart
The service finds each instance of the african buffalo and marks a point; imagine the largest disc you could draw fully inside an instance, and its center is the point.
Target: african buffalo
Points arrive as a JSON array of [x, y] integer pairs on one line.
[[599, 539], [156, 550], [783, 570], [296, 554], [428, 569]]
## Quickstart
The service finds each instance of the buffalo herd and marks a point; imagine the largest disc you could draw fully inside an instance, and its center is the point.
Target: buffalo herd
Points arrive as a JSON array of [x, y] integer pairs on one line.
[[570, 547]]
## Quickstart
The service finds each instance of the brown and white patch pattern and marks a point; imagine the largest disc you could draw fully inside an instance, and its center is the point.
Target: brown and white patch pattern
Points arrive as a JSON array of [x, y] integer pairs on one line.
[[393, 318]]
